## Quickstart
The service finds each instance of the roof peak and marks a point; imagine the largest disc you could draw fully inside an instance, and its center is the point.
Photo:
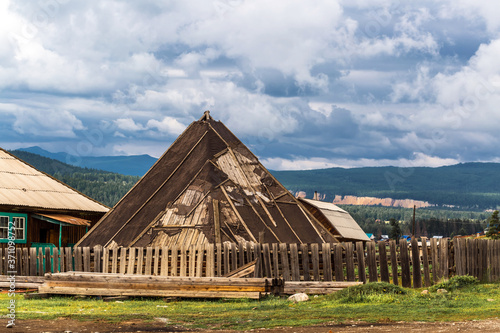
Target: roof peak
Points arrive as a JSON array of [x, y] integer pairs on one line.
[[206, 116]]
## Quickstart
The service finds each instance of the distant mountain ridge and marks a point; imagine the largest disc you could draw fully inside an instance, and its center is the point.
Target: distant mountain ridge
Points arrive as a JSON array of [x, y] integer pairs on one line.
[[133, 165], [470, 186]]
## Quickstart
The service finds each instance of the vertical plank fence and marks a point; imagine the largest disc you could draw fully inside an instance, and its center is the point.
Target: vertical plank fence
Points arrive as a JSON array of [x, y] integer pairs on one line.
[[414, 264]]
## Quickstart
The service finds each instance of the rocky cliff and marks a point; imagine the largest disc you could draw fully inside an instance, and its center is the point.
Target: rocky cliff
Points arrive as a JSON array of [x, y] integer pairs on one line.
[[371, 201]]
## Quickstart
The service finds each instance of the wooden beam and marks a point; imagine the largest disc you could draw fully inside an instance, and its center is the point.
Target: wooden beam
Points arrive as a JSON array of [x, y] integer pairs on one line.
[[238, 214], [215, 204]]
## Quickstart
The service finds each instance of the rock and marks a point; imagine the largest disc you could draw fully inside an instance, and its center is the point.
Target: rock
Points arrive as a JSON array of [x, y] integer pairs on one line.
[[442, 291], [490, 300], [424, 292], [300, 297]]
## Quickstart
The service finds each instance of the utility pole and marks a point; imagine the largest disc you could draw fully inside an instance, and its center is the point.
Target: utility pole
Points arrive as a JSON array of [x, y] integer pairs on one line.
[[413, 232]]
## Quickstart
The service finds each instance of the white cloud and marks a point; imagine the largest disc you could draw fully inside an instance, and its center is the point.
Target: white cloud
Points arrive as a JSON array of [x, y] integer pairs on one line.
[[168, 125], [48, 123], [128, 124]]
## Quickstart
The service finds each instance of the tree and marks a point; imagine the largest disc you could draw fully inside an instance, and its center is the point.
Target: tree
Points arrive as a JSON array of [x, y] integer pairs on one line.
[[494, 229], [395, 232]]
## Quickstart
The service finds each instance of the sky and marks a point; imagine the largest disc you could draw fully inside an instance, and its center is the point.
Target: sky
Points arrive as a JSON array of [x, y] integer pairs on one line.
[[304, 84]]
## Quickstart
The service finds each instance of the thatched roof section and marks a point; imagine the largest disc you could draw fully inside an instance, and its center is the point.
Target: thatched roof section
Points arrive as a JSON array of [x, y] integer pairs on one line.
[[206, 188]]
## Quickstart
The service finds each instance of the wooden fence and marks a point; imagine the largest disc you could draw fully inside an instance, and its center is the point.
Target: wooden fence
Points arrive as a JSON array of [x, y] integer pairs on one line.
[[402, 263]]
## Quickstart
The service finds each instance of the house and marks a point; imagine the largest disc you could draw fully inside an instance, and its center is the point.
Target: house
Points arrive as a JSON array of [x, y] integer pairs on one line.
[[208, 188], [341, 222], [42, 209]]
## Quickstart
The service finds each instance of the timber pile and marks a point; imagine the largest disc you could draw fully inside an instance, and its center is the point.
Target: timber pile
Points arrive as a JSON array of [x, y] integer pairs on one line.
[[109, 284], [316, 287], [21, 282]]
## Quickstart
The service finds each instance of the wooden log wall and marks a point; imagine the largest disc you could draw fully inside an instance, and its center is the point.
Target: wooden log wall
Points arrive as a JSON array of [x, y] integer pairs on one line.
[[400, 263]]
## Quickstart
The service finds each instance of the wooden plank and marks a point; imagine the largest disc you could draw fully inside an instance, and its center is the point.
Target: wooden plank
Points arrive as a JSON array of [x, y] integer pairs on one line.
[[249, 252], [258, 273], [114, 261], [149, 260], [26, 262], [371, 259], [304, 249], [131, 260], [326, 254], [444, 253], [241, 253], [86, 259], [360, 256], [315, 261], [192, 260], [294, 262], [284, 262], [149, 293], [394, 261], [140, 260], [266, 253], [338, 262], [48, 263], [425, 260], [276, 266], [164, 261], [218, 254], [216, 221], [123, 260], [200, 258], [210, 270], [436, 274], [234, 257], [33, 261], [183, 262], [156, 261], [174, 255], [226, 258], [19, 261], [55, 260], [105, 260], [243, 271], [70, 263], [40, 261], [97, 258], [2, 260], [415, 263], [405, 264], [349, 262], [384, 266]]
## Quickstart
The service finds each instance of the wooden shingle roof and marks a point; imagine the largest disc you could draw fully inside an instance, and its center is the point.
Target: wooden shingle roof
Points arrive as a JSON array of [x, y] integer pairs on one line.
[[206, 188]]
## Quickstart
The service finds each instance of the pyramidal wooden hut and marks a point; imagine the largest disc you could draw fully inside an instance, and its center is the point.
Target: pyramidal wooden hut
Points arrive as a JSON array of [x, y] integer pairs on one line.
[[209, 188]]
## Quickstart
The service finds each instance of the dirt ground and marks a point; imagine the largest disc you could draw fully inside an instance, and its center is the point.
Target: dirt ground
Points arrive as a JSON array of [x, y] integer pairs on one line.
[[73, 326]]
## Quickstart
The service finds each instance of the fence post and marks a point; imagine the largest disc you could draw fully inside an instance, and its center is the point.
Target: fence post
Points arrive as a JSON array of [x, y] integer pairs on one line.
[[415, 261], [384, 268], [371, 261], [405, 263], [360, 255]]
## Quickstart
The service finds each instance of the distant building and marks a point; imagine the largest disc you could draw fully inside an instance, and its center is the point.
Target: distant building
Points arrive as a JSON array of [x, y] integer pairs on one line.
[[42, 209]]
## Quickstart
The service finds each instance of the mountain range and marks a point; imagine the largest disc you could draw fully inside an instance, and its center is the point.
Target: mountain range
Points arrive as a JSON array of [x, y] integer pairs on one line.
[[133, 165], [471, 186]]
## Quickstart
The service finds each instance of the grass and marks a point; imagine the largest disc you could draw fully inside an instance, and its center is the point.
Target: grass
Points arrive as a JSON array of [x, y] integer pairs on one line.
[[377, 303]]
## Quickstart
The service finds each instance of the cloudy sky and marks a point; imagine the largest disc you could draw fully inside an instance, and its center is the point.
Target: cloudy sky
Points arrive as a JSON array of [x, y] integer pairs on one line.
[[305, 84]]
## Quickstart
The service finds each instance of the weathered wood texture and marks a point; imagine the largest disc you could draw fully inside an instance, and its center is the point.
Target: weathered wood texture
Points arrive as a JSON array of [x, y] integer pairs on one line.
[[408, 264]]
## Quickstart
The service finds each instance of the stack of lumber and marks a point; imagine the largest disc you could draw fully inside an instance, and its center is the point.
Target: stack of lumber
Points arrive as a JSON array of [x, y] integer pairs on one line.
[[316, 287], [21, 282], [109, 284]]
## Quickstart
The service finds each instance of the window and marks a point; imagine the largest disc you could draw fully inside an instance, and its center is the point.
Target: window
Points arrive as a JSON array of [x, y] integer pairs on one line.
[[4, 226], [19, 223]]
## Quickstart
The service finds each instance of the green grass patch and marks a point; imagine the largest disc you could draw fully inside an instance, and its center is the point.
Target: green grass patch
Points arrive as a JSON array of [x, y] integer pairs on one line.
[[456, 282], [379, 302]]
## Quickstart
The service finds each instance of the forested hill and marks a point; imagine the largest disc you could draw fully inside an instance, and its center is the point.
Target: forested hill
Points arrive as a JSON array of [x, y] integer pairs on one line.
[[468, 185], [103, 186]]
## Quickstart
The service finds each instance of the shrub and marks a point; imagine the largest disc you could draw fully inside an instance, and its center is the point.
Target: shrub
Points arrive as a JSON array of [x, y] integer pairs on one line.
[[364, 292], [455, 282]]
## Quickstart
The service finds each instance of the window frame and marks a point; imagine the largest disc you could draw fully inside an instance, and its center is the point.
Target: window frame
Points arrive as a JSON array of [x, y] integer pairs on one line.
[[15, 217]]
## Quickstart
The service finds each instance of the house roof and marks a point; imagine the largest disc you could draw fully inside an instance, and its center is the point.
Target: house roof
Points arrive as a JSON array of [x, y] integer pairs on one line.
[[21, 185], [339, 219], [206, 188]]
